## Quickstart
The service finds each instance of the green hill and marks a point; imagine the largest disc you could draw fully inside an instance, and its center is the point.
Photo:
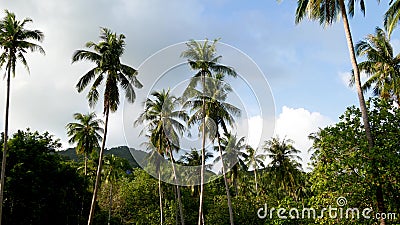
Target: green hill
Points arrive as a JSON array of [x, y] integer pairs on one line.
[[120, 151]]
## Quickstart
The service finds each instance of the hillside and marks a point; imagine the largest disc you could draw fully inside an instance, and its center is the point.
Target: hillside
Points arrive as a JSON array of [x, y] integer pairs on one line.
[[120, 151]]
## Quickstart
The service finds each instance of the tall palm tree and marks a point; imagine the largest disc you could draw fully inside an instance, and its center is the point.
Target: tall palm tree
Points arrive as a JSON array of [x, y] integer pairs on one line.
[[254, 160], [327, 12], [154, 158], [106, 56], [165, 126], [115, 167], [219, 113], [15, 41], [392, 16], [202, 57], [382, 67], [284, 162], [86, 133]]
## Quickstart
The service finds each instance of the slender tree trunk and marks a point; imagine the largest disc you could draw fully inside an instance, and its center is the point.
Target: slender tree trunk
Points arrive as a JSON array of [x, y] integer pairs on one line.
[[98, 175], [177, 186], [203, 144], [364, 112], [235, 177], [353, 59], [5, 147], [86, 159], [228, 196], [255, 179], [160, 194], [176, 207], [110, 203]]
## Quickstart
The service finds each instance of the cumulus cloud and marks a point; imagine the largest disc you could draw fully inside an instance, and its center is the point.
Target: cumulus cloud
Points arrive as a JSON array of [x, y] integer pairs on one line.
[[296, 124]]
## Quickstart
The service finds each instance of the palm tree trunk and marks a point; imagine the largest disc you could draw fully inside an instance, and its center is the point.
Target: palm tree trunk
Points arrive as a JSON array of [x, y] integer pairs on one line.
[[86, 159], [228, 196], [5, 147], [364, 112], [203, 155], [110, 203], [235, 177], [160, 194], [98, 175], [356, 75], [255, 179], [177, 186]]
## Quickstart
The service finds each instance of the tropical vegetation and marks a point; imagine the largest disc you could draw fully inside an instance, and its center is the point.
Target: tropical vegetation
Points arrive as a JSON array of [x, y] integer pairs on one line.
[[355, 162]]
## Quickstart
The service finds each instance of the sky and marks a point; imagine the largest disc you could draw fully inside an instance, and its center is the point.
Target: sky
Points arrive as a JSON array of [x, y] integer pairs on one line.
[[303, 68]]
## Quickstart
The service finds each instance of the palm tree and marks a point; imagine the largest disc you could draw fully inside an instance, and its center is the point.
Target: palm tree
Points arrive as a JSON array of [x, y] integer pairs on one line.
[[165, 126], [106, 56], [219, 113], [115, 167], [232, 156], [86, 133], [154, 158], [193, 160], [203, 59], [255, 161], [382, 67], [392, 16], [284, 165], [15, 40], [327, 12]]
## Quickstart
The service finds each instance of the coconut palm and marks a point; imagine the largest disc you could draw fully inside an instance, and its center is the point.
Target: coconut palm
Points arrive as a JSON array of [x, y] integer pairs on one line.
[[106, 56], [327, 12], [15, 41], [219, 114], [114, 168], [192, 159], [202, 58], [381, 66], [165, 126], [154, 159], [232, 156], [254, 160], [284, 163], [86, 133], [392, 16]]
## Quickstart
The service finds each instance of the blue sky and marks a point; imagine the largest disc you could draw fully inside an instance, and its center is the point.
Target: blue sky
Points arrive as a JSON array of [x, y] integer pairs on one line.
[[304, 64]]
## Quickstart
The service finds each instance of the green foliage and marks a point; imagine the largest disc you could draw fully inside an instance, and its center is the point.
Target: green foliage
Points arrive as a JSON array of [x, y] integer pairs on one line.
[[86, 132], [140, 199], [106, 56], [345, 167], [41, 188], [381, 66], [15, 40]]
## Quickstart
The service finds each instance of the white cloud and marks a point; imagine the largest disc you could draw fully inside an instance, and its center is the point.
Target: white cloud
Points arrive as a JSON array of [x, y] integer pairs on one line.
[[255, 131], [345, 77], [297, 124]]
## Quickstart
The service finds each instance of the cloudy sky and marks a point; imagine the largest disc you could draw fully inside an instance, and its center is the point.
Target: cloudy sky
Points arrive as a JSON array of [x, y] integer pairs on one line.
[[305, 65]]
